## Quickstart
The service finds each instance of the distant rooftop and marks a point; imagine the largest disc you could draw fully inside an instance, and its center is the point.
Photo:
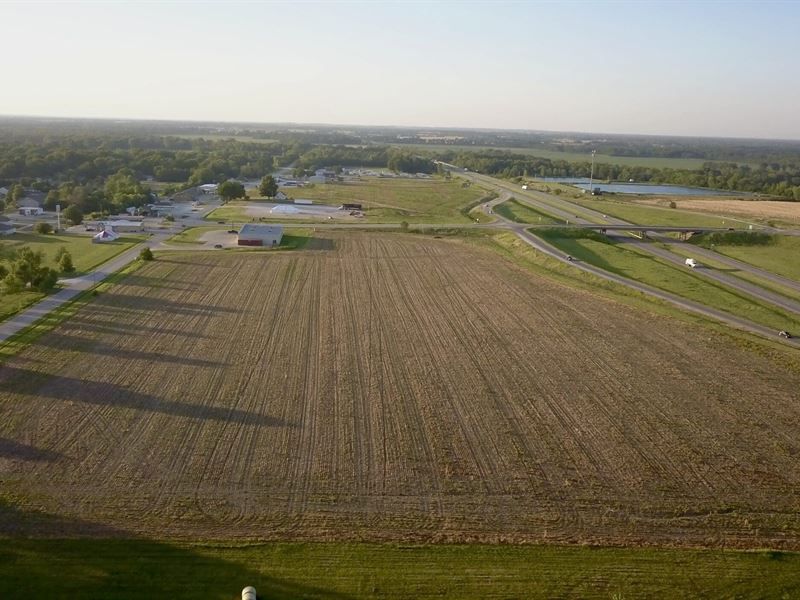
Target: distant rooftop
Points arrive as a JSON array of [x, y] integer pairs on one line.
[[251, 228]]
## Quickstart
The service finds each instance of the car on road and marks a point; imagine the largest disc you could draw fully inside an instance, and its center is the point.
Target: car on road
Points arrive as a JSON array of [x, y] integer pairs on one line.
[[784, 334], [217, 245]]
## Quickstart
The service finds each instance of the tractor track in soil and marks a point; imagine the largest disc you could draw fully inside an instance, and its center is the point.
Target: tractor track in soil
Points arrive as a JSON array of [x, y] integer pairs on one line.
[[397, 387]]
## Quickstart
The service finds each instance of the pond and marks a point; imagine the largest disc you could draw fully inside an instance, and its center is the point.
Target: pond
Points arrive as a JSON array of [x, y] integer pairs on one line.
[[639, 188]]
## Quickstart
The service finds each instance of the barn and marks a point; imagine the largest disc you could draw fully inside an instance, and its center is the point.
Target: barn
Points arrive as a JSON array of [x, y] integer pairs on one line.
[[253, 234]]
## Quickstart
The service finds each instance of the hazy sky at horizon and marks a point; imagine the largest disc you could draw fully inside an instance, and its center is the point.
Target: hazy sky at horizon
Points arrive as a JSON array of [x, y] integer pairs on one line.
[[713, 68]]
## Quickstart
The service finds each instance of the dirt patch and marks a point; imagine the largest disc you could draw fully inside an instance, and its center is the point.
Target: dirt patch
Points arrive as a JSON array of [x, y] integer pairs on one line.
[[395, 388], [753, 209]]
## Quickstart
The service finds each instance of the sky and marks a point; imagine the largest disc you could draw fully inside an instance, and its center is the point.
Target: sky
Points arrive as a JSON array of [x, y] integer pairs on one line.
[[727, 69]]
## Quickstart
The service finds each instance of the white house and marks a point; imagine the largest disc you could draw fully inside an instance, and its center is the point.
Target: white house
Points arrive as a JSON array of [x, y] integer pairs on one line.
[[31, 211], [104, 236]]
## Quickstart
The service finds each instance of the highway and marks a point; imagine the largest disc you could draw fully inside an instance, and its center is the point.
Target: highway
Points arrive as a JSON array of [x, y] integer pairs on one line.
[[569, 211]]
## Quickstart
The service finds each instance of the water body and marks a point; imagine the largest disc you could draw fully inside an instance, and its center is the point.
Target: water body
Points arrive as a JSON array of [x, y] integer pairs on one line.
[[639, 188]]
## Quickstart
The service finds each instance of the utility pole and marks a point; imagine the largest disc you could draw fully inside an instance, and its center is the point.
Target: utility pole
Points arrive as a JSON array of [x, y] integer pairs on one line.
[[591, 173]]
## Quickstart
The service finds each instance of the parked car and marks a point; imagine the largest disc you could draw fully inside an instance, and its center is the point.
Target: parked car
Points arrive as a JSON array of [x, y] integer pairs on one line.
[[217, 245]]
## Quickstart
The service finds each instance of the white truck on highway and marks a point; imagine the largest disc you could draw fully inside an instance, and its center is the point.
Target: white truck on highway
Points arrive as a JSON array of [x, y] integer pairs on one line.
[[690, 262]]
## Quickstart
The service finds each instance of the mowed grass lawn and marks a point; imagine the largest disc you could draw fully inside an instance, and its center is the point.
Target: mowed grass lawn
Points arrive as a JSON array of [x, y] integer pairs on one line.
[[650, 215], [628, 262], [782, 256], [391, 200], [141, 569], [522, 213], [85, 256]]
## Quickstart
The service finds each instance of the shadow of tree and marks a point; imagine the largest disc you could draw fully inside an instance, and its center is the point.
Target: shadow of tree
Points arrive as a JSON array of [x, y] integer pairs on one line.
[[116, 301], [115, 326], [82, 344], [104, 562], [101, 393], [19, 451]]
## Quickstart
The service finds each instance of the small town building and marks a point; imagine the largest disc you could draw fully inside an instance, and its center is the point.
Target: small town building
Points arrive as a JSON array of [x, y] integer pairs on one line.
[[105, 236], [122, 225], [31, 211], [31, 199], [253, 234]]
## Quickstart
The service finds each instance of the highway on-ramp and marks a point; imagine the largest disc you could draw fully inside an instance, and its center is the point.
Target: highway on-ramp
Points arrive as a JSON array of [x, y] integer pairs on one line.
[[569, 211]]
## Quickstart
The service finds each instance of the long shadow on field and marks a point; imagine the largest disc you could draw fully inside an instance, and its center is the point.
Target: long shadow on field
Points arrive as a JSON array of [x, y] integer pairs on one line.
[[115, 301], [129, 329], [168, 283], [102, 561], [217, 265], [36, 383], [18, 451], [80, 344]]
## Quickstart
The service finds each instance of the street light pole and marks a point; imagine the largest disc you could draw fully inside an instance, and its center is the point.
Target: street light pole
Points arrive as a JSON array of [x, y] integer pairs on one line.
[[591, 173]]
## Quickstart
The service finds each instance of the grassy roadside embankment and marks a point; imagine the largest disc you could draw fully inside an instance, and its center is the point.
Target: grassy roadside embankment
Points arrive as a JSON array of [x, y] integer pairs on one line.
[[137, 569], [637, 265], [775, 253]]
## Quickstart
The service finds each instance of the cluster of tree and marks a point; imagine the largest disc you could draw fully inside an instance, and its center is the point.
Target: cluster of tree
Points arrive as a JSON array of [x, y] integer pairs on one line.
[[773, 179], [319, 157], [409, 163], [27, 270], [230, 190], [268, 186], [66, 159]]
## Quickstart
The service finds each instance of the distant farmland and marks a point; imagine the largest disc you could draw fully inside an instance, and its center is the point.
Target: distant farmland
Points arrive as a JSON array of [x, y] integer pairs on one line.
[[392, 388]]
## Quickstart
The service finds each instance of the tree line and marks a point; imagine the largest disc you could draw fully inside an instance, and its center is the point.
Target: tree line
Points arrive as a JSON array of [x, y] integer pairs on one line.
[[776, 179]]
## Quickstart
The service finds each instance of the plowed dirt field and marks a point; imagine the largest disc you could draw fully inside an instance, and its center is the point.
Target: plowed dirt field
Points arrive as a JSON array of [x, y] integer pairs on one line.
[[391, 387]]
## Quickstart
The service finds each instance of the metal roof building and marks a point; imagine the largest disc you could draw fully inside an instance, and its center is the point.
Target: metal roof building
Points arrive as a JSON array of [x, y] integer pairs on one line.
[[252, 234]]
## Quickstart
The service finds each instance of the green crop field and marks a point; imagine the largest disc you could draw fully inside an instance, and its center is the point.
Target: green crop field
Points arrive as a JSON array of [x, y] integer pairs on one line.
[[623, 260], [138, 569], [522, 213]]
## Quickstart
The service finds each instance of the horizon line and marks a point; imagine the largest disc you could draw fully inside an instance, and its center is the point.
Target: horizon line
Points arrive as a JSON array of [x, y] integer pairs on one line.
[[384, 126]]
